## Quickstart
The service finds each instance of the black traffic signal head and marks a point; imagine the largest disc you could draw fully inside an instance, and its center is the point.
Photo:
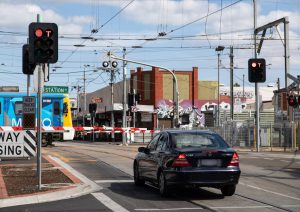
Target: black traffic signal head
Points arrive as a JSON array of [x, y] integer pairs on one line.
[[257, 70], [92, 107], [43, 42], [28, 66], [293, 100]]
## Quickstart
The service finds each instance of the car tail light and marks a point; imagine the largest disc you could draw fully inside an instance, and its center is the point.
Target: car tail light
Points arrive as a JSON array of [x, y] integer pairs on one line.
[[181, 161], [235, 160]]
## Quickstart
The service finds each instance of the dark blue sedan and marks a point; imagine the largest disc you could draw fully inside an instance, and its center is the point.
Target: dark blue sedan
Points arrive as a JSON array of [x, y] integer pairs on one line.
[[188, 157]]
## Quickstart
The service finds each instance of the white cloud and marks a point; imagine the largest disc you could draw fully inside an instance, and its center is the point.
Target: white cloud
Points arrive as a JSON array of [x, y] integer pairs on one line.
[[17, 17]]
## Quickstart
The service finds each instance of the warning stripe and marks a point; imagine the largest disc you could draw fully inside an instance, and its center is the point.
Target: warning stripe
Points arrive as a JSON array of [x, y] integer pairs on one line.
[[30, 142], [102, 129]]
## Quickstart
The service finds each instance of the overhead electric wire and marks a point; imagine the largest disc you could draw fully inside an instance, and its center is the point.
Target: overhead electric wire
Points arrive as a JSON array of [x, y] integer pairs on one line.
[[99, 28], [199, 19]]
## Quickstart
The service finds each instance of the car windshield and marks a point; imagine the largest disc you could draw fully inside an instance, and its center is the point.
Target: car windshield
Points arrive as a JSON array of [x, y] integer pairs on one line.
[[201, 140]]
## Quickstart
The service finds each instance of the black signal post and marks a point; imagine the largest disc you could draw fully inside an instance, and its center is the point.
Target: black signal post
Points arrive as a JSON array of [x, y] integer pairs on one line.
[[43, 42], [257, 70]]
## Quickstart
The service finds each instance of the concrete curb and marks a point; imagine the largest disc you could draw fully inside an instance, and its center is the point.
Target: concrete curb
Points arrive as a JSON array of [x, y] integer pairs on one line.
[[85, 187]]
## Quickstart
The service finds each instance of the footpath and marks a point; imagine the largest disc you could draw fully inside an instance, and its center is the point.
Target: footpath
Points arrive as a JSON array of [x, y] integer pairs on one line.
[[19, 184]]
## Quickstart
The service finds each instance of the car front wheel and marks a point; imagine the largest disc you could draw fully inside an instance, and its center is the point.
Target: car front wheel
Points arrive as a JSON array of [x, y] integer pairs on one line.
[[162, 183], [228, 190], [137, 180]]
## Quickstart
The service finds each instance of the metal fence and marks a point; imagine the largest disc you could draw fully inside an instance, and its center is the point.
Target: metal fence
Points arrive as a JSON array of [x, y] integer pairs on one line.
[[242, 134]]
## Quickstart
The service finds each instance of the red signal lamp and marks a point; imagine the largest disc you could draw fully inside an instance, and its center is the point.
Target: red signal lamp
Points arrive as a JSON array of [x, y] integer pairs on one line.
[[38, 33], [253, 65]]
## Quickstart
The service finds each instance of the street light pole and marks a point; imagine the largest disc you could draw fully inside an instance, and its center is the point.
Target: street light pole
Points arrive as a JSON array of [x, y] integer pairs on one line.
[[124, 125], [219, 49], [176, 101]]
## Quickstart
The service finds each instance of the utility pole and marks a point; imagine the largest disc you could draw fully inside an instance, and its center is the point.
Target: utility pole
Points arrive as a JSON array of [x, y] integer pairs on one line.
[[77, 111], [124, 124], [231, 84], [112, 117], [243, 86], [257, 135], [134, 105], [84, 96]]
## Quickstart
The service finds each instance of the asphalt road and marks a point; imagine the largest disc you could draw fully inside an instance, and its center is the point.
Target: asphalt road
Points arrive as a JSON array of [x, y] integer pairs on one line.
[[269, 182]]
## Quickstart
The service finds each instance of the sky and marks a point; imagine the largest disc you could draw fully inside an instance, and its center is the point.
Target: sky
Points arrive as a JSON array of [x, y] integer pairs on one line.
[[176, 34]]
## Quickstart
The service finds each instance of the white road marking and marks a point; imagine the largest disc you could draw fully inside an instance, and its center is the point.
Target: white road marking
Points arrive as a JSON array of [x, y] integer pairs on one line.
[[242, 207], [108, 202], [113, 181], [285, 161], [199, 208], [290, 206], [167, 209], [268, 158], [272, 192]]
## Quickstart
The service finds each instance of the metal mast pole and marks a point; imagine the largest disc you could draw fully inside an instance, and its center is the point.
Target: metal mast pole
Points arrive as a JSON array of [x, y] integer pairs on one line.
[[231, 83], [257, 135], [286, 51], [134, 104], [112, 100], [171, 72], [84, 98], [218, 111], [39, 120], [124, 125]]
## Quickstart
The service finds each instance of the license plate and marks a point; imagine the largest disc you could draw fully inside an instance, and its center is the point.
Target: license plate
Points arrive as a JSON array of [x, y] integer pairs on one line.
[[209, 162]]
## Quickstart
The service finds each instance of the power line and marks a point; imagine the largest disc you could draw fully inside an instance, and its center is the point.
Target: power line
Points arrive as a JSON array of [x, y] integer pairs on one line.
[[199, 19]]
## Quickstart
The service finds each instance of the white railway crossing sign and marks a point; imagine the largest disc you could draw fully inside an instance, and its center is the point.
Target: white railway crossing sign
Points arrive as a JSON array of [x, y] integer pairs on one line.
[[29, 104], [17, 144], [28, 120]]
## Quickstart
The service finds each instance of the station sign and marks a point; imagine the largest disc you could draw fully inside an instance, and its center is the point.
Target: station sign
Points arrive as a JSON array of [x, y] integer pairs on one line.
[[56, 89]]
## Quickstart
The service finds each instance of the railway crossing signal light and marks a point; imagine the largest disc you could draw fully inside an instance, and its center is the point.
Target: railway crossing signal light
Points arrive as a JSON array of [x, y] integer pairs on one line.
[[43, 42], [92, 108], [293, 100], [28, 66], [257, 70]]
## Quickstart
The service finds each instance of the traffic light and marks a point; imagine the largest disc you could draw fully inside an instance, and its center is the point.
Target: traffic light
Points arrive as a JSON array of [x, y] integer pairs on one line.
[[92, 107], [43, 42], [257, 70], [138, 97], [130, 100], [293, 100], [28, 67]]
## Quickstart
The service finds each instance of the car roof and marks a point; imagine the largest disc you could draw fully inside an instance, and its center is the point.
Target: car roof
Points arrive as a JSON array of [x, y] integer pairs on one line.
[[200, 131]]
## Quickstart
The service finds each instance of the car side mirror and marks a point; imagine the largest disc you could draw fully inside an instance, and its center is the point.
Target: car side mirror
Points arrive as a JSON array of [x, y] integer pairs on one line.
[[144, 150]]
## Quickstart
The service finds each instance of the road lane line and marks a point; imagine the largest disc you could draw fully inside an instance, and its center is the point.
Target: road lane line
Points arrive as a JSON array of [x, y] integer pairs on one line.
[[290, 206], [286, 161], [268, 159], [242, 207], [272, 192], [113, 181], [108, 202], [166, 209]]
